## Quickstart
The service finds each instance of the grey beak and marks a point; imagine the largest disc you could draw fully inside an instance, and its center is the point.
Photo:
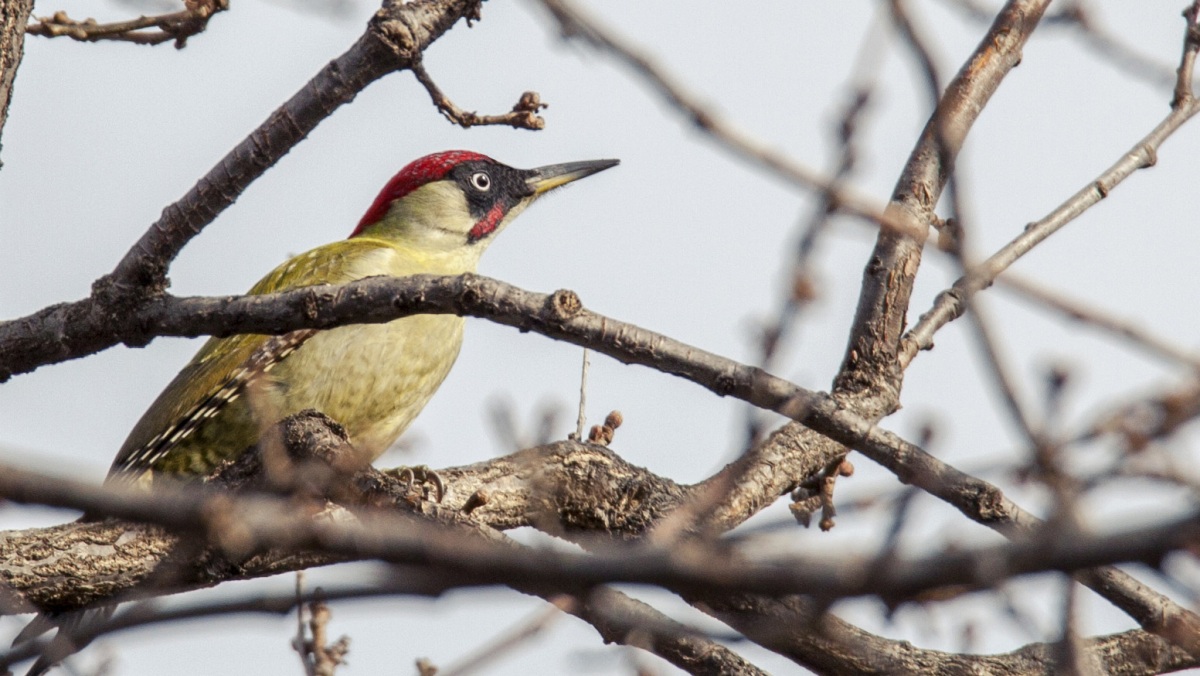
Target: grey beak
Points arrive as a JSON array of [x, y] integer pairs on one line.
[[547, 178]]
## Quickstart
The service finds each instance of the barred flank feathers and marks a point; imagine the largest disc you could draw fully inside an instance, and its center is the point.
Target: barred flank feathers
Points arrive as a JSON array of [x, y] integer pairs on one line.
[[273, 351]]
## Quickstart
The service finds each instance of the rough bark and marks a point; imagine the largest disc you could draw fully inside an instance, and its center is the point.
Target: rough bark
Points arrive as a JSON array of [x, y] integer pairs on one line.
[[14, 14], [583, 492]]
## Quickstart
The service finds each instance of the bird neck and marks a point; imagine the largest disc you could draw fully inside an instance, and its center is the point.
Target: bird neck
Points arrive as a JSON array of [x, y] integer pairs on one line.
[[435, 218], [400, 257]]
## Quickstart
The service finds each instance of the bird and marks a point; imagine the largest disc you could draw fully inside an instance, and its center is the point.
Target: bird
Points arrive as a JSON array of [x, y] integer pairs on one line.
[[437, 215]]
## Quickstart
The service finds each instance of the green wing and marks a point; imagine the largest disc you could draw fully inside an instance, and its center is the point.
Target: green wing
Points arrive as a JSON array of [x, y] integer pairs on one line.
[[220, 371]]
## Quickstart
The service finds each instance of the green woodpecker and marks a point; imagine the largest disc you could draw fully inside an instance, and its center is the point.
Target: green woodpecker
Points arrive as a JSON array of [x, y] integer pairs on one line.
[[436, 216]]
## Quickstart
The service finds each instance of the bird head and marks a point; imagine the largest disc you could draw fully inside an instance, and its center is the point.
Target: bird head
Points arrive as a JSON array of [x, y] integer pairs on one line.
[[455, 200]]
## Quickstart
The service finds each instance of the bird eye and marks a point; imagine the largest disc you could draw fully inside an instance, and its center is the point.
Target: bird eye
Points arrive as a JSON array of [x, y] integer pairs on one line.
[[481, 181]]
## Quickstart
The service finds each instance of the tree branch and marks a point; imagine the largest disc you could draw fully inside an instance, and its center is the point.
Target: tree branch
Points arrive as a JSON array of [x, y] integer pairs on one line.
[[562, 316], [568, 489], [951, 303], [524, 114], [870, 370], [177, 26], [574, 23], [13, 16], [393, 41]]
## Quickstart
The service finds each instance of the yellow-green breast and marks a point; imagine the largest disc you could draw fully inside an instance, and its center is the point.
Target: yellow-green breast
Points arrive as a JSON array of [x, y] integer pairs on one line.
[[372, 378]]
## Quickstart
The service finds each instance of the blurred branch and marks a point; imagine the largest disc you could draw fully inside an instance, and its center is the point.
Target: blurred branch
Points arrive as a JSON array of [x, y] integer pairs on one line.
[[177, 26], [487, 653], [801, 287], [1095, 36], [870, 372], [955, 229], [614, 615], [562, 316], [1149, 419], [256, 534], [950, 303], [1130, 331], [575, 24]]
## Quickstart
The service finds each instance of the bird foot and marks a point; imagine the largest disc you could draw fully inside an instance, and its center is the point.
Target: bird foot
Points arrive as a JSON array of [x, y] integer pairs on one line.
[[419, 476]]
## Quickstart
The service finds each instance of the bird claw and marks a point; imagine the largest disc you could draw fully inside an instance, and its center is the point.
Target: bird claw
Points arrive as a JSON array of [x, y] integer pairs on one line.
[[414, 477]]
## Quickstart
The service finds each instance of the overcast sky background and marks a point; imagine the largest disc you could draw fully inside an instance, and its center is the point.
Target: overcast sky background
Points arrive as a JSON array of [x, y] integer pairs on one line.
[[681, 238]]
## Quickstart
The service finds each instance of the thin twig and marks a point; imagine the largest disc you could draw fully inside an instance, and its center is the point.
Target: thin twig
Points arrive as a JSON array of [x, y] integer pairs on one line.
[[177, 26], [514, 637], [992, 358], [1184, 94], [1096, 37], [574, 23], [326, 658], [950, 303], [522, 116], [581, 420], [800, 288], [300, 643]]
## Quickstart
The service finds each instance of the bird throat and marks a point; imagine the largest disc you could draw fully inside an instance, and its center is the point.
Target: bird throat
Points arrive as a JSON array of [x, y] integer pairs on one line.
[[488, 224]]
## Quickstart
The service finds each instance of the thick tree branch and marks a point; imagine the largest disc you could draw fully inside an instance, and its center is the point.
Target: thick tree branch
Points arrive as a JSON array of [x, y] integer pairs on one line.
[[13, 16], [562, 316], [621, 619], [569, 489], [797, 628], [256, 535], [870, 368]]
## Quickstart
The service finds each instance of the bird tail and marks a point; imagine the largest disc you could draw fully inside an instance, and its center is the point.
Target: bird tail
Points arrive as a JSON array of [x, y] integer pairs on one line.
[[75, 631]]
